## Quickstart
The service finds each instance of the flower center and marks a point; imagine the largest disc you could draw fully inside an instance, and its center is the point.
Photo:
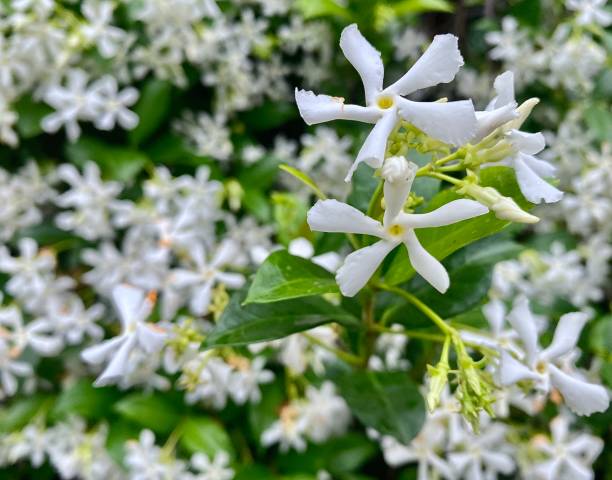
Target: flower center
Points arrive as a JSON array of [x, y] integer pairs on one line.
[[396, 230], [384, 102], [541, 367]]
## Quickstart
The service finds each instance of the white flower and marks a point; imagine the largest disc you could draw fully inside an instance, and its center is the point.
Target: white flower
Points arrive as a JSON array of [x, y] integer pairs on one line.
[[99, 15], [569, 456], [206, 379], [542, 366], [288, 431], [11, 368], [133, 307], [452, 122], [217, 469], [113, 104], [243, 384], [397, 227], [207, 274], [301, 247], [590, 12], [146, 461], [325, 413]]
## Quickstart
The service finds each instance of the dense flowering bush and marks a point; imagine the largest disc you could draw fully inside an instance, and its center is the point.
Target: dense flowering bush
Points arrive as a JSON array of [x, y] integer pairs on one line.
[[196, 284]]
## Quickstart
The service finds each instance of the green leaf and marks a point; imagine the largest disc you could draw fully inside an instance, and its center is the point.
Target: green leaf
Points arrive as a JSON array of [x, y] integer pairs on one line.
[[149, 411], [116, 162], [601, 337], [152, 109], [262, 414], [284, 276], [20, 412], [599, 121], [387, 401], [420, 6], [85, 400], [470, 271], [290, 216], [255, 202], [442, 241], [241, 325], [271, 114], [261, 174], [321, 8], [254, 472], [364, 184], [203, 434], [305, 179], [30, 115]]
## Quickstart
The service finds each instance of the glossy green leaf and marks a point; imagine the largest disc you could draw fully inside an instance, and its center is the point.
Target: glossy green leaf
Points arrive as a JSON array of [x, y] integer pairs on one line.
[[265, 412], [21, 411], [470, 271], [389, 402], [241, 325], [203, 434], [152, 109], [442, 241], [601, 337], [321, 8], [419, 6], [290, 216], [30, 115], [85, 400], [284, 276], [116, 162], [149, 411]]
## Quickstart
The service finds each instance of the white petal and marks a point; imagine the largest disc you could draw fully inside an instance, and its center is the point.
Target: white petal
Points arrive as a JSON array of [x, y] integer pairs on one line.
[[323, 108], [360, 265], [365, 58], [533, 187], [512, 371], [488, 121], [450, 122], [566, 336], [498, 461], [200, 300], [301, 247], [504, 87], [373, 149], [395, 194], [151, 337], [128, 301], [117, 367], [231, 279], [439, 64], [521, 319], [576, 470], [581, 397], [452, 212], [530, 143], [541, 167], [96, 354], [335, 216], [225, 254], [495, 313], [425, 264]]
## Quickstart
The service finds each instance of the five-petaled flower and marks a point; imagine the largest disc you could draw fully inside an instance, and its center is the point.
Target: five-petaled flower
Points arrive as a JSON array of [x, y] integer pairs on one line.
[[451, 122], [397, 227]]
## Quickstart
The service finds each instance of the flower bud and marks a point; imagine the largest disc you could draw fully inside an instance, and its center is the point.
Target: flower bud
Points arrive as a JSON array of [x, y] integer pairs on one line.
[[505, 208], [524, 110], [438, 378], [398, 169]]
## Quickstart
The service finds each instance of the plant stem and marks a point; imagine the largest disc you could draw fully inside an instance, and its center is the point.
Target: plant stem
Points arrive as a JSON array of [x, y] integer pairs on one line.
[[448, 178], [341, 354], [409, 333], [433, 316]]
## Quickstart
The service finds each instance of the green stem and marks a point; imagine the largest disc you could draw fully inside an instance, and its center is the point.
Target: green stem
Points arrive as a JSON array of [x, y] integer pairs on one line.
[[341, 354], [409, 333], [433, 316], [447, 178]]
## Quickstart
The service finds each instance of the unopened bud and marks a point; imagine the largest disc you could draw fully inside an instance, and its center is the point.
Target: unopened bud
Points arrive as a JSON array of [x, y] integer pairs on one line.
[[438, 378], [504, 208], [398, 169], [524, 110]]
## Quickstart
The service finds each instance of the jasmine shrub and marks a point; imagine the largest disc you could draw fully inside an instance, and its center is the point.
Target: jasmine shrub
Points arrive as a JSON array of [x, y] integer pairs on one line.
[[201, 281]]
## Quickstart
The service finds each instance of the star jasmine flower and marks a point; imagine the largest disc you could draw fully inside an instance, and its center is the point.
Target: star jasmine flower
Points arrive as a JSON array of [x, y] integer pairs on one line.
[[590, 12], [569, 455], [397, 227], [216, 469], [452, 122], [133, 307], [542, 366], [114, 103]]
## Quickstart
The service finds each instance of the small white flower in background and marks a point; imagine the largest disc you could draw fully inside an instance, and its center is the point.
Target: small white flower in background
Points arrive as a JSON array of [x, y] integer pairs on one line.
[[206, 274], [243, 384], [146, 461], [326, 414], [217, 469], [484, 455], [543, 366], [38, 335], [30, 272], [590, 12], [288, 431], [389, 351], [113, 104], [408, 44], [133, 308], [98, 30], [397, 227], [301, 247], [568, 455], [208, 134], [72, 103], [206, 378], [28, 444], [10, 368], [452, 122], [89, 198], [8, 119]]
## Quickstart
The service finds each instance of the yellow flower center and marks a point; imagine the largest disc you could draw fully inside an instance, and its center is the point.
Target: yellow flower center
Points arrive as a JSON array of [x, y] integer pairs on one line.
[[396, 230], [384, 102]]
